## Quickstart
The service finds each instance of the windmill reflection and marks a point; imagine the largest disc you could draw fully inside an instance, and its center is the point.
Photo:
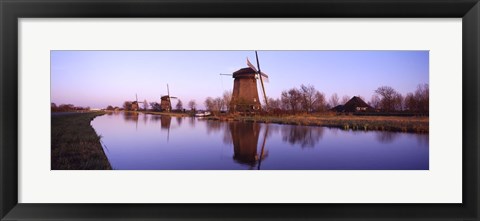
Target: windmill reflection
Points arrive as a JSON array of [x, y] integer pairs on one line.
[[165, 123], [131, 117], [245, 142]]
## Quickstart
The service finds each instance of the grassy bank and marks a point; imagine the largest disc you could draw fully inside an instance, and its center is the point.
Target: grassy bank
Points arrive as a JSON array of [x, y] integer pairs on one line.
[[75, 144], [347, 122]]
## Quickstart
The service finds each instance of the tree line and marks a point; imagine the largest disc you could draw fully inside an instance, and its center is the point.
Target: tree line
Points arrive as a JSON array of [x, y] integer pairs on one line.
[[307, 99], [67, 108]]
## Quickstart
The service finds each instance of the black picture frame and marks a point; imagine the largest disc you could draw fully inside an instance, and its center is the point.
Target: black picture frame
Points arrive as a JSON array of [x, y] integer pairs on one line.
[[12, 10]]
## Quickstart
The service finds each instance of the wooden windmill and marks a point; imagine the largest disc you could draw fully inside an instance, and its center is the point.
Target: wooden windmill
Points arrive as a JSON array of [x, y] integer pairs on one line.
[[136, 106], [165, 101], [245, 92]]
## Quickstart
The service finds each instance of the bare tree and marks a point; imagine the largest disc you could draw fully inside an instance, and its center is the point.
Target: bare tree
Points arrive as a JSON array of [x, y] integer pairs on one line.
[[410, 102], [422, 97], [209, 103], [418, 101], [388, 98], [375, 101], [227, 98], [219, 104], [291, 99], [179, 105], [145, 104], [334, 100], [274, 104], [155, 106], [320, 103], [398, 101], [345, 99], [192, 105], [309, 97]]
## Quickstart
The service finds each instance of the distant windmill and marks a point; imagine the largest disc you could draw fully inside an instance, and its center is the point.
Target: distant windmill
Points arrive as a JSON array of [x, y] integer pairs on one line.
[[245, 92], [136, 106], [165, 101]]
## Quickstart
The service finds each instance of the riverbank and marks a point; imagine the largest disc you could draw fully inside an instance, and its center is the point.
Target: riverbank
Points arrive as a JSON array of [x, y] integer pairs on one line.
[[75, 144], [346, 122], [172, 114]]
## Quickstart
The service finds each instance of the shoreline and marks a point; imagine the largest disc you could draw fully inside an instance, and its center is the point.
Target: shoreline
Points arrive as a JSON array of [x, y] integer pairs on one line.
[[345, 122], [407, 124], [75, 143]]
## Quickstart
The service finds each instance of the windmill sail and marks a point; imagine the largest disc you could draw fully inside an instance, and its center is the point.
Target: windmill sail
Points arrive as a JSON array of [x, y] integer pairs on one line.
[[261, 79], [251, 65], [264, 77]]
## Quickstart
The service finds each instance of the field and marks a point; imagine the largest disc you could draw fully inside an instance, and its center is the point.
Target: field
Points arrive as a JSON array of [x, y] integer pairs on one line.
[[75, 144], [411, 124]]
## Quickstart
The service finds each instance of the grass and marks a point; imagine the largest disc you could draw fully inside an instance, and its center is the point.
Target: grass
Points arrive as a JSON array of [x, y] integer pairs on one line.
[[75, 144], [347, 122]]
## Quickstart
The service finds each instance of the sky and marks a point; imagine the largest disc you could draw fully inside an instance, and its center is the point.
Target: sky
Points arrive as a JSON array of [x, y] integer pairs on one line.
[[101, 78]]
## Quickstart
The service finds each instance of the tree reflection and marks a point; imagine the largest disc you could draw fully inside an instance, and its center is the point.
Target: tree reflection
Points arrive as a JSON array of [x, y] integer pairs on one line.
[[304, 136], [422, 139], [191, 121], [179, 121], [214, 126], [386, 137]]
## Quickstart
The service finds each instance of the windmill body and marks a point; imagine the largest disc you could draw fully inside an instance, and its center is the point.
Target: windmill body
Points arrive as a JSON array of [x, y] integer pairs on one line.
[[166, 101], [136, 104], [245, 93]]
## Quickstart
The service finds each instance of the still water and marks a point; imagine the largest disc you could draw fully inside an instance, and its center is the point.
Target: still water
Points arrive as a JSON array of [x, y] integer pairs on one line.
[[136, 141]]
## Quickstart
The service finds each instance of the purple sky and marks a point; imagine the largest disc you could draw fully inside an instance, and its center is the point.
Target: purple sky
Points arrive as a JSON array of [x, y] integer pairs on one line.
[[101, 78]]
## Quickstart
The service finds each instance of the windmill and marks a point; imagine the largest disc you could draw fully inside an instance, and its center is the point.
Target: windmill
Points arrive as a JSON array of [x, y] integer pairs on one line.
[[136, 106], [165, 101], [245, 93]]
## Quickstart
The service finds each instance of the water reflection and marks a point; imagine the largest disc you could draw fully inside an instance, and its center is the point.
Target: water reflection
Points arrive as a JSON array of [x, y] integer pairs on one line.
[[165, 122], [245, 140], [161, 142], [131, 116], [386, 137], [179, 121], [305, 136]]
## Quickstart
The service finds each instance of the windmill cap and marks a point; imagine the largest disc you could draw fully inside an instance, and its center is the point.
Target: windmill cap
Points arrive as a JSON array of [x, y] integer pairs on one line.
[[244, 72]]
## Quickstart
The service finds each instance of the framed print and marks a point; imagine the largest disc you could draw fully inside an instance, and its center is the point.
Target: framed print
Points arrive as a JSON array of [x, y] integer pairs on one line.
[[205, 110]]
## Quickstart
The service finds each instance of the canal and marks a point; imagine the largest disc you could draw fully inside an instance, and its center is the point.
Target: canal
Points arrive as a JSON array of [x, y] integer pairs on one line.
[[137, 141]]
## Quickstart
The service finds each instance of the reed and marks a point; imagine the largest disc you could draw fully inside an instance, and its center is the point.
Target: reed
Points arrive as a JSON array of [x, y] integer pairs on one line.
[[411, 124]]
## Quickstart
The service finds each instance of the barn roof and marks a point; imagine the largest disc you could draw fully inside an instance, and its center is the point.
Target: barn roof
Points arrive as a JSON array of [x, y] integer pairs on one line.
[[355, 102]]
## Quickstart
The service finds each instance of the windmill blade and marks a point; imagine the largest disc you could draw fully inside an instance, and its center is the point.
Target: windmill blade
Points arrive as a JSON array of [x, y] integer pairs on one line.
[[251, 65], [174, 97], [264, 77], [261, 80]]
